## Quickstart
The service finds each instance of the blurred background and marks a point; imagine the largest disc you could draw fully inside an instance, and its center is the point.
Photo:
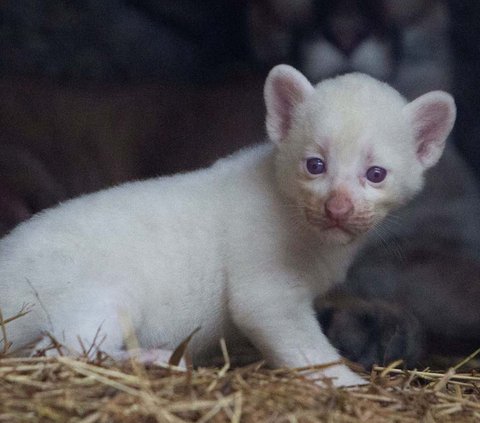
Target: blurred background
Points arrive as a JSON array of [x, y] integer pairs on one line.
[[96, 93]]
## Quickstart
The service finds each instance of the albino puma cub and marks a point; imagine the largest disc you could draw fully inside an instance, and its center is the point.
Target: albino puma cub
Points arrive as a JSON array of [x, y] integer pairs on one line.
[[241, 247]]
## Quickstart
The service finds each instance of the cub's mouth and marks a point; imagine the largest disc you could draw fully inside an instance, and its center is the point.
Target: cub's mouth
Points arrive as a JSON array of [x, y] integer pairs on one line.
[[323, 222], [337, 230]]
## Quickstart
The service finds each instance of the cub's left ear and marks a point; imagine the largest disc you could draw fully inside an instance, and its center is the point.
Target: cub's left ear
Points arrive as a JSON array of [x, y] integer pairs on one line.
[[432, 117]]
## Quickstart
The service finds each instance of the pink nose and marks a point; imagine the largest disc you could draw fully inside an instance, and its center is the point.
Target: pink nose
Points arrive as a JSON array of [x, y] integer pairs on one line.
[[339, 206]]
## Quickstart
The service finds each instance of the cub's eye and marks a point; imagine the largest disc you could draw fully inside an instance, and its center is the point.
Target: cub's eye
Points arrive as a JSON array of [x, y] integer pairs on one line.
[[315, 166], [376, 174]]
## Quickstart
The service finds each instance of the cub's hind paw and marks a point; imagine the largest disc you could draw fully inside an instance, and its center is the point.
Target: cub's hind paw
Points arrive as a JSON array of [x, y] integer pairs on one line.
[[155, 357]]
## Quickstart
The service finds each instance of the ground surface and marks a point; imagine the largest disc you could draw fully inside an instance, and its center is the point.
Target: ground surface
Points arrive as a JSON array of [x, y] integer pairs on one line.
[[64, 389]]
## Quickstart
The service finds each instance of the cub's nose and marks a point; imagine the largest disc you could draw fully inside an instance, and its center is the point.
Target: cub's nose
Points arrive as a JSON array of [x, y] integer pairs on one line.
[[339, 206]]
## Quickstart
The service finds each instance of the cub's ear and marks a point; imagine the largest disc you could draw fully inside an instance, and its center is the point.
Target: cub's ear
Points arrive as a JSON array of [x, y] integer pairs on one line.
[[285, 88], [432, 117]]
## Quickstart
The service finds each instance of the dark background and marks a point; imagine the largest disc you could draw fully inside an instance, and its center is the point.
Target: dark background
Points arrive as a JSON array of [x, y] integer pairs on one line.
[[101, 92]]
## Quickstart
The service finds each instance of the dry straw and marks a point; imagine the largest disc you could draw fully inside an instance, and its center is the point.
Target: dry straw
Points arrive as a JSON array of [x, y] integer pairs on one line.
[[91, 390]]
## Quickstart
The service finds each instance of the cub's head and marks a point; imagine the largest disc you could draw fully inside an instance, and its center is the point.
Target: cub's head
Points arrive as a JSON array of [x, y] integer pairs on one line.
[[351, 149]]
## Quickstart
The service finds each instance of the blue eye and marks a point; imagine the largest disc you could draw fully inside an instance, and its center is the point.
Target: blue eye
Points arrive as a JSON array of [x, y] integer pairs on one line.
[[376, 174], [315, 165]]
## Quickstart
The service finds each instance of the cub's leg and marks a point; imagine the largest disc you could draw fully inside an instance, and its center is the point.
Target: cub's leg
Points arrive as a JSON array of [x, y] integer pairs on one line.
[[280, 321]]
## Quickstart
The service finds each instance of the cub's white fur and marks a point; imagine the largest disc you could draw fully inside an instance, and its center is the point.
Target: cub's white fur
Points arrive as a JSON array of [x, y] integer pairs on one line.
[[241, 247]]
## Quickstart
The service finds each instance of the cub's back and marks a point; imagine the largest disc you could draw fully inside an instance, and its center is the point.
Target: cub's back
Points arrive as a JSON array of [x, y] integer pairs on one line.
[[145, 235]]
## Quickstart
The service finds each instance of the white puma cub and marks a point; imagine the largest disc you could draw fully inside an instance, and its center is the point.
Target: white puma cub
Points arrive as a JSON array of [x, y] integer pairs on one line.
[[242, 247]]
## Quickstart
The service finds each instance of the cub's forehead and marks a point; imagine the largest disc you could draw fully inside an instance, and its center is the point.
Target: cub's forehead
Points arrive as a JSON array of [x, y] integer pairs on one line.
[[355, 108], [359, 89]]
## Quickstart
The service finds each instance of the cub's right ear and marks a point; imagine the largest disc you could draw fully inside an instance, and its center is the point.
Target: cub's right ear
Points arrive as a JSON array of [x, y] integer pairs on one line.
[[285, 88]]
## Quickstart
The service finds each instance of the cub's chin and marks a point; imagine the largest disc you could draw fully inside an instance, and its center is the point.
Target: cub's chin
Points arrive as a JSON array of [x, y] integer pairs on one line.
[[334, 235]]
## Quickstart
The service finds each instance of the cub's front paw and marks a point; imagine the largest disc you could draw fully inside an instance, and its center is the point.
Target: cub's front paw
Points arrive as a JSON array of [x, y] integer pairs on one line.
[[342, 376], [370, 332]]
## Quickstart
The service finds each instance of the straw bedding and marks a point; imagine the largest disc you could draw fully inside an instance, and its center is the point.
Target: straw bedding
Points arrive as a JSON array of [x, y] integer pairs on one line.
[[94, 388], [61, 389]]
